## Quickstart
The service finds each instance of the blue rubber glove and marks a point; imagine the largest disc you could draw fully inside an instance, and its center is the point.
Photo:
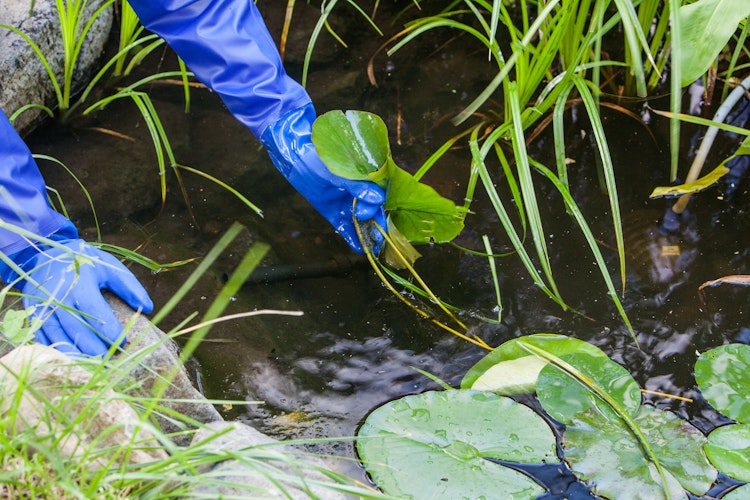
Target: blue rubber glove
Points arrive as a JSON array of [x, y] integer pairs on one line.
[[65, 284], [289, 143], [226, 45]]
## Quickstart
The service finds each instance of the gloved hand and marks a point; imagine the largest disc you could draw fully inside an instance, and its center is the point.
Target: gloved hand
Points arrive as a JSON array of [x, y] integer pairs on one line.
[[289, 143], [65, 286], [226, 45]]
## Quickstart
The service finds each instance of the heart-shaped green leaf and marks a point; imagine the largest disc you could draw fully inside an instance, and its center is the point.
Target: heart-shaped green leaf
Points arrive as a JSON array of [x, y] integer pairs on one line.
[[435, 445], [564, 396], [605, 454], [728, 449], [352, 145], [722, 375], [511, 369], [419, 212]]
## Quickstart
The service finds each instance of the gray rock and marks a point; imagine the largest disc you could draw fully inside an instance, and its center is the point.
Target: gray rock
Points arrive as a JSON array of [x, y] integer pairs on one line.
[[276, 474], [23, 78], [46, 392], [158, 370]]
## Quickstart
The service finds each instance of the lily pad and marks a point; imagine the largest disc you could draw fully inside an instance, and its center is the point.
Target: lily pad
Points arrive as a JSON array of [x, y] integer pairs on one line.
[[436, 445], [741, 493], [511, 369], [728, 449], [605, 454], [564, 397], [722, 375]]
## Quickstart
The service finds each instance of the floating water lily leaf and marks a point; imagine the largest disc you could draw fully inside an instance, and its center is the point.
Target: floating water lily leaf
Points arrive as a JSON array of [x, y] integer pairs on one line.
[[722, 375], [728, 449], [435, 445], [352, 144], [564, 397], [510, 368], [741, 493], [605, 454], [705, 28]]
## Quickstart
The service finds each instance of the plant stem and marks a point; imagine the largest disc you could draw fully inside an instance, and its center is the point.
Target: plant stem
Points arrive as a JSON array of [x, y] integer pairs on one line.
[[708, 140]]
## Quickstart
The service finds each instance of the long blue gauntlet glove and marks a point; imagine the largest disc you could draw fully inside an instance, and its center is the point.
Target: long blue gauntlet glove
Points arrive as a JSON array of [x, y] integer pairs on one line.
[[288, 142], [64, 283], [226, 44]]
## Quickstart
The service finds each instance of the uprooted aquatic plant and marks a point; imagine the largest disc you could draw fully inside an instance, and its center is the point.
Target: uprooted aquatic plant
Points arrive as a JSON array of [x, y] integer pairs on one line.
[[354, 145], [621, 448]]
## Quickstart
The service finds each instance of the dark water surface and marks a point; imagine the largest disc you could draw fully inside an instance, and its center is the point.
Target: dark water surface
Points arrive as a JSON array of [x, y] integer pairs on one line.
[[356, 346]]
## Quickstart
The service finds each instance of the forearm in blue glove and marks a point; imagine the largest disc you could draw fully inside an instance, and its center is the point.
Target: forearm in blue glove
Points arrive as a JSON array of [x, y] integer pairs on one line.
[[64, 284], [289, 143], [225, 43]]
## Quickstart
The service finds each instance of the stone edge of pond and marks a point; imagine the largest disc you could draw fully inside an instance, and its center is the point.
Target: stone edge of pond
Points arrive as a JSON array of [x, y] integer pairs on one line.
[[23, 77], [182, 396]]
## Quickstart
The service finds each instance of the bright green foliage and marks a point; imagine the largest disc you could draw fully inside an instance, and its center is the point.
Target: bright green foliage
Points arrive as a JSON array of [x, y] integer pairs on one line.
[[604, 453], [722, 375], [435, 445], [705, 29], [564, 398], [511, 369], [728, 449], [354, 145]]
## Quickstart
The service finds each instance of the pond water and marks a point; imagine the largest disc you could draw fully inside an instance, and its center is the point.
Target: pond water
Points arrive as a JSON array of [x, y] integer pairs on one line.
[[357, 346]]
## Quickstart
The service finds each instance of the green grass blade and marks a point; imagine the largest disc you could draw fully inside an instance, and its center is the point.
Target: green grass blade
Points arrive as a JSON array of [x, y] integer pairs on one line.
[[573, 209]]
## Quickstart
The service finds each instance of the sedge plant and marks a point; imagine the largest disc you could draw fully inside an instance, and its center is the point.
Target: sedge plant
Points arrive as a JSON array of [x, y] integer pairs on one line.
[[550, 56]]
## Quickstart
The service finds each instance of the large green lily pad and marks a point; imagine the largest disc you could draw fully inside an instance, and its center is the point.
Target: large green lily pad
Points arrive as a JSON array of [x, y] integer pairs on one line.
[[511, 369], [728, 449], [564, 397], [722, 375], [436, 445], [605, 454]]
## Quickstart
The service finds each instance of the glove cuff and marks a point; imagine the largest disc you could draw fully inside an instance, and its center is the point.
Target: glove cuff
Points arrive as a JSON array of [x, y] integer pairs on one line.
[[21, 258]]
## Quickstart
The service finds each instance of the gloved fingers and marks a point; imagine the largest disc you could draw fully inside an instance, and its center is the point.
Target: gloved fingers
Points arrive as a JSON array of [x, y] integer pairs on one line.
[[118, 279], [366, 192], [373, 237], [88, 335], [366, 211], [99, 316], [53, 334]]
